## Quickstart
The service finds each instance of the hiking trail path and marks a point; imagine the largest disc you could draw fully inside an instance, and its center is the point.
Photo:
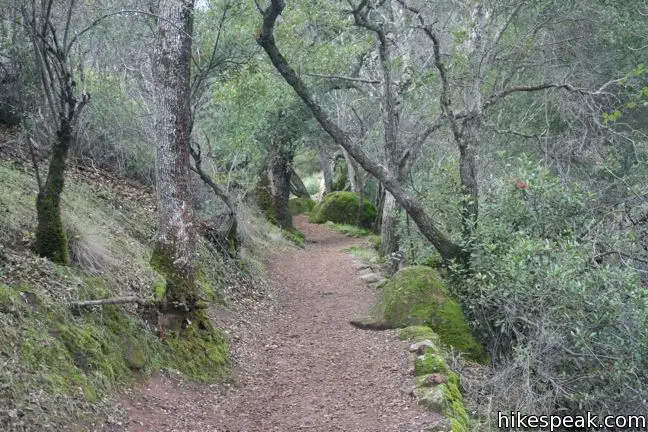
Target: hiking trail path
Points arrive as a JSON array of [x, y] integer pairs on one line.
[[300, 365]]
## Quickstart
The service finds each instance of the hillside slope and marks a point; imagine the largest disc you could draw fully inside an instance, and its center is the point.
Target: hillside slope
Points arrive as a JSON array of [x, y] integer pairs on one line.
[[58, 362]]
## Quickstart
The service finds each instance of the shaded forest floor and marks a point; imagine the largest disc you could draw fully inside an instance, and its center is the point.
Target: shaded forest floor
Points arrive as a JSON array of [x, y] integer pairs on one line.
[[300, 365]]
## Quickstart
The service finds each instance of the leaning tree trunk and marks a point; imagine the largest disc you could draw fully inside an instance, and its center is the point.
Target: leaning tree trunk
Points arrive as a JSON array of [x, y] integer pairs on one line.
[[297, 186], [352, 172], [51, 240], [427, 226], [279, 174], [174, 253]]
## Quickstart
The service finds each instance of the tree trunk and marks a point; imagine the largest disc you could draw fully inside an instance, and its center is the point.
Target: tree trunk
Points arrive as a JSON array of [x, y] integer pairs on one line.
[[352, 172], [174, 253], [327, 170], [468, 179], [51, 240], [297, 187], [279, 174], [388, 229]]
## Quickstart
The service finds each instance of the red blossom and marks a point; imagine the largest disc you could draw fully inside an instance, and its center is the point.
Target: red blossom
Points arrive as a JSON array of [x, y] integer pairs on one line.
[[521, 185]]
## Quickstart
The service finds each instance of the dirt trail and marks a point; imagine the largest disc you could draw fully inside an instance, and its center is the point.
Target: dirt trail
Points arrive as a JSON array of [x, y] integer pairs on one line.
[[303, 367]]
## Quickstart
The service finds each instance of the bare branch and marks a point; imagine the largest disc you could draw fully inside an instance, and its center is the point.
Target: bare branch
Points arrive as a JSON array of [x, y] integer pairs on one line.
[[410, 152], [110, 301], [539, 87], [343, 78], [32, 153], [68, 20]]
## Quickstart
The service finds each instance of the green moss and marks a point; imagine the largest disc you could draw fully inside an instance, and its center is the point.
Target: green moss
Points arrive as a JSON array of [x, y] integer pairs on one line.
[[430, 363], [340, 175], [454, 406], [159, 288], [353, 231], [51, 239], [416, 296], [295, 236], [135, 357], [181, 290], [417, 333], [263, 197], [342, 207], [199, 350], [96, 351], [298, 206], [55, 361]]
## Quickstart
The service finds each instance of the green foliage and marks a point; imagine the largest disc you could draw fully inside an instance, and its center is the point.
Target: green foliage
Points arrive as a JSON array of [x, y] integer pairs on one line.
[[312, 184], [551, 313], [114, 137], [416, 296], [300, 205], [342, 207]]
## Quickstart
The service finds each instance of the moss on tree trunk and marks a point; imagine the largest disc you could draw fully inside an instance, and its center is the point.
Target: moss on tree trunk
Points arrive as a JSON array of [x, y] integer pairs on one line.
[[51, 240], [181, 292]]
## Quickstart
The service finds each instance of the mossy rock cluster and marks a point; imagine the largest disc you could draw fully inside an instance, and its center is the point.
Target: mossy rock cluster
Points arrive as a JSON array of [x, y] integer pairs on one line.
[[342, 208], [437, 387], [298, 206], [417, 296]]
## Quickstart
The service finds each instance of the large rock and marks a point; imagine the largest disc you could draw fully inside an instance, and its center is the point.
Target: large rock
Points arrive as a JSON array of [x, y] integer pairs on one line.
[[417, 296], [342, 207]]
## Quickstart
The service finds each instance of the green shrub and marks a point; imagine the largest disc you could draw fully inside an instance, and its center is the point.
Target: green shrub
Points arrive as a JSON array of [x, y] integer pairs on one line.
[[298, 206], [416, 296], [342, 207], [567, 329]]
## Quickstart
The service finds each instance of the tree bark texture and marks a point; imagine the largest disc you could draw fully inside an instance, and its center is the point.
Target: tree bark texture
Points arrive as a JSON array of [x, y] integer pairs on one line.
[[352, 173], [297, 186], [279, 174], [468, 178], [413, 207], [327, 170], [388, 228], [51, 240], [174, 254]]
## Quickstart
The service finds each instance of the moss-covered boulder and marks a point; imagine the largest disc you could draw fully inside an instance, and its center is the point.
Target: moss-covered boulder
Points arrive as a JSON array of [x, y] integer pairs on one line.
[[342, 208], [417, 296], [298, 206], [417, 333]]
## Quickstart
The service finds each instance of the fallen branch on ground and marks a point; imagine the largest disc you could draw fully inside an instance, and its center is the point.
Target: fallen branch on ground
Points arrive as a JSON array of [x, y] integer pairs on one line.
[[109, 301]]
